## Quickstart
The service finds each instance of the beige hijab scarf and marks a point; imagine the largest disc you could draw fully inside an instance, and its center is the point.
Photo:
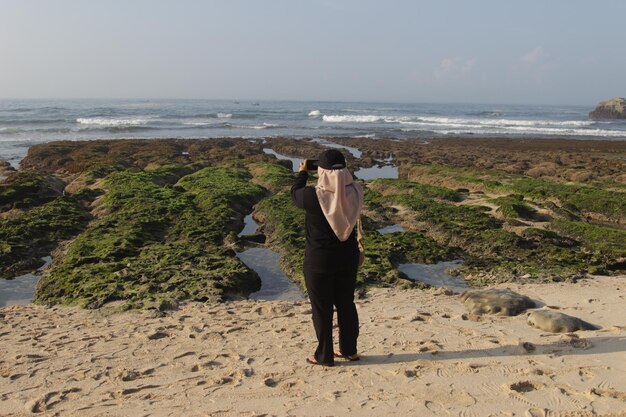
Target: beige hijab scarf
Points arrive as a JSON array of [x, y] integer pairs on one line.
[[341, 200]]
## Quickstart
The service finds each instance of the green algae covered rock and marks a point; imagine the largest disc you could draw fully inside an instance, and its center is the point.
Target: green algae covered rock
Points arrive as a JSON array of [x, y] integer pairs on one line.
[[513, 207], [158, 241], [150, 224], [283, 224], [272, 176], [35, 216], [25, 189], [493, 254], [27, 237], [383, 253]]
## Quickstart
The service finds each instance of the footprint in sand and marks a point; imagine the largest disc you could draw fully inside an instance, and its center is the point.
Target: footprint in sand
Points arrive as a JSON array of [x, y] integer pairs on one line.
[[490, 388], [578, 342], [129, 391], [517, 389], [131, 374], [525, 386], [182, 355], [467, 413], [50, 399], [610, 393], [436, 408], [536, 412], [157, 335], [210, 365]]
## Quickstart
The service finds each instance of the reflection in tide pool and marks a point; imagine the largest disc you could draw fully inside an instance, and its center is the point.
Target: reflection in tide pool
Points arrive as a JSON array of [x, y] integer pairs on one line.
[[354, 151], [249, 227], [20, 290], [391, 229], [373, 173], [295, 161], [275, 284], [435, 275]]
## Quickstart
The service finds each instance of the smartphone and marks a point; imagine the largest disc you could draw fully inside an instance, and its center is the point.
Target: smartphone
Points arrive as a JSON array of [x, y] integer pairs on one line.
[[311, 164]]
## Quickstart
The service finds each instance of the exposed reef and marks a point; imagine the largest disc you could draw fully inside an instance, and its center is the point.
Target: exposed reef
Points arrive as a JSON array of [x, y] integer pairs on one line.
[[152, 223]]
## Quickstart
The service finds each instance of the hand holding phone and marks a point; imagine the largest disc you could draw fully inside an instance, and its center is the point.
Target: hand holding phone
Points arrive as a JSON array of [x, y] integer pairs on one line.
[[311, 164]]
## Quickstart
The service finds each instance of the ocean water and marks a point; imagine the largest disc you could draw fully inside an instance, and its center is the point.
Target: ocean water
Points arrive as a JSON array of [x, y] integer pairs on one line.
[[27, 122]]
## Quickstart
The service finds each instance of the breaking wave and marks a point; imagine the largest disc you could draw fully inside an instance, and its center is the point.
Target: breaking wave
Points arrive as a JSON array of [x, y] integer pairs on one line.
[[451, 121], [257, 127], [104, 121], [117, 129], [333, 118]]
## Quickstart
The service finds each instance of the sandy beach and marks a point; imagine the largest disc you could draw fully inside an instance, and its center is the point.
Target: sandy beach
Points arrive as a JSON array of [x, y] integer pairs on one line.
[[421, 356], [178, 178]]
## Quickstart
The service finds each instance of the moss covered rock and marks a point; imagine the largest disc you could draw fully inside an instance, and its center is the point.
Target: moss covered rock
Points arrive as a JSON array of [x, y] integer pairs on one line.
[[159, 241]]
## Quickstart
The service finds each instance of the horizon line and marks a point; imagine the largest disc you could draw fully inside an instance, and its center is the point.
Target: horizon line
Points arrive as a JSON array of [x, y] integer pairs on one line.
[[274, 100]]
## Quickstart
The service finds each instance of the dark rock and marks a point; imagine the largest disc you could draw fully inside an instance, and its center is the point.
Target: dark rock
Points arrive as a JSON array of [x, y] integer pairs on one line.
[[5, 168], [614, 108], [254, 238]]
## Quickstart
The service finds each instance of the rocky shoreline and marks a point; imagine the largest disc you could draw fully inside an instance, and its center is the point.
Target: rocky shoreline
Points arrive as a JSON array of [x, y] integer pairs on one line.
[[153, 223]]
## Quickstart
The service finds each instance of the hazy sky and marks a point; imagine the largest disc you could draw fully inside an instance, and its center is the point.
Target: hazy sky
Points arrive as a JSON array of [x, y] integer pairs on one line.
[[483, 51]]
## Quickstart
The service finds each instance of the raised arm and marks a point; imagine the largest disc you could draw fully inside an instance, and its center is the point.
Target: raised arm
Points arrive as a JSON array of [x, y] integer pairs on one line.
[[297, 191]]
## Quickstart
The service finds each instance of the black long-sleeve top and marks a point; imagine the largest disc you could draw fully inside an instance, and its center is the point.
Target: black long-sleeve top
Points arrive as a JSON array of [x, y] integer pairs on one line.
[[323, 252]]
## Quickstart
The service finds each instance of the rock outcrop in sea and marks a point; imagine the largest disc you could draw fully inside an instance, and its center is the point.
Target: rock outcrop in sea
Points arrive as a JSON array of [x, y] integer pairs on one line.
[[5, 168], [614, 108]]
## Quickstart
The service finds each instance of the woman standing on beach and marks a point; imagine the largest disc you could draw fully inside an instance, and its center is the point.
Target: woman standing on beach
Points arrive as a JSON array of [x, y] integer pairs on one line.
[[331, 254]]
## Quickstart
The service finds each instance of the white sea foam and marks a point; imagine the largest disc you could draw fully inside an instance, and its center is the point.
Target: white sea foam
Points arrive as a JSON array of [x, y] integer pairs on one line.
[[454, 121], [209, 120], [497, 122], [369, 118], [334, 118], [257, 127], [104, 121], [531, 130], [315, 113], [197, 123]]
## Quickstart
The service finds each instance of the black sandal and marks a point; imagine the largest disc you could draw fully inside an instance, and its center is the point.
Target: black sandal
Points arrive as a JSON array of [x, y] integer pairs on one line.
[[313, 361], [351, 358]]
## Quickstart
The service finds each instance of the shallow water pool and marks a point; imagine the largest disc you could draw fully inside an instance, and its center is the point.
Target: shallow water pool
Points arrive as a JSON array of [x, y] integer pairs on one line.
[[249, 226], [354, 151], [373, 173], [20, 290], [275, 284], [435, 275], [295, 161], [391, 229]]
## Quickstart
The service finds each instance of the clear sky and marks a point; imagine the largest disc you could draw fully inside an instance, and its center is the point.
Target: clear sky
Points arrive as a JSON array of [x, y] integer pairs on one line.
[[482, 51]]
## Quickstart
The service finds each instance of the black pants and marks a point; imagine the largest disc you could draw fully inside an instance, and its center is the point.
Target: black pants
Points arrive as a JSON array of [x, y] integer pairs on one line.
[[328, 289]]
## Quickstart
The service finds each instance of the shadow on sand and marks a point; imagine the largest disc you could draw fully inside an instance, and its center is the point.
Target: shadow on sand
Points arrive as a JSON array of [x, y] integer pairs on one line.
[[563, 347]]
